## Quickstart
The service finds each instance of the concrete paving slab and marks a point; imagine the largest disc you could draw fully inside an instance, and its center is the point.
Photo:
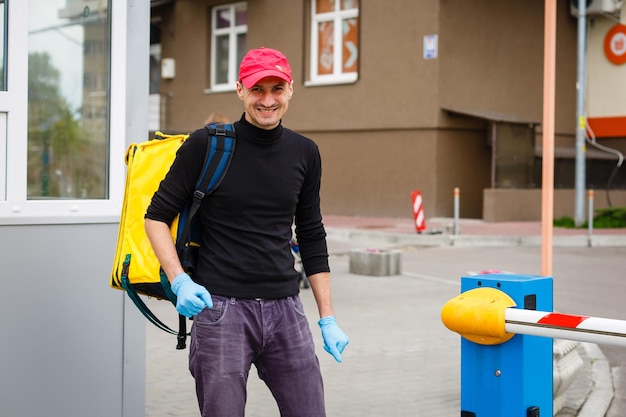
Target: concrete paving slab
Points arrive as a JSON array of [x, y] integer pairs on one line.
[[401, 360]]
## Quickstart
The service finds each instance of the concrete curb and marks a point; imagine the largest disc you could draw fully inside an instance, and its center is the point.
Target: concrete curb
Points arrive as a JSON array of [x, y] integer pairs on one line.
[[601, 395], [399, 239], [567, 368]]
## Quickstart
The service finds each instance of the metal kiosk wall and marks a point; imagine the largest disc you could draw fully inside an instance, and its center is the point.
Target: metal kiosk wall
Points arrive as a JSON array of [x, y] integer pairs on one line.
[[71, 346]]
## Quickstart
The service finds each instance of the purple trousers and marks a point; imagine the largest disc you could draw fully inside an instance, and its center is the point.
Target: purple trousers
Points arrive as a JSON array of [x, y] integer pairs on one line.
[[273, 335]]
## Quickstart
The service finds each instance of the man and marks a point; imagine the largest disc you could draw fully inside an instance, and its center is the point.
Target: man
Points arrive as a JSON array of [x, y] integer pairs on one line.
[[244, 294]]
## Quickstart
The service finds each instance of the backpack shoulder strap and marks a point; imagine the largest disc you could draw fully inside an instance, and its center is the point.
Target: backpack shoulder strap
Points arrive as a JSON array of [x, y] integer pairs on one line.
[[220, 148], [181, 334]]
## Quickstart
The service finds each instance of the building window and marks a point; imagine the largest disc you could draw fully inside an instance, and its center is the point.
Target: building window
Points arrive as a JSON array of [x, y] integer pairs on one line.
[[513, 155], [229, 25], [334, 41], [68, 73]]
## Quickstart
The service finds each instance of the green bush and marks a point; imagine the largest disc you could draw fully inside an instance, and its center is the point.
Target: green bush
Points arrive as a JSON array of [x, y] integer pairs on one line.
[[606, 218], [612, 217], [566, 222]]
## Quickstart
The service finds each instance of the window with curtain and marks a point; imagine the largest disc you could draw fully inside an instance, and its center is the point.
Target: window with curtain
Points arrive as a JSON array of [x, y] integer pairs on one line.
[[334, 49], [229, 25], [68, 95]]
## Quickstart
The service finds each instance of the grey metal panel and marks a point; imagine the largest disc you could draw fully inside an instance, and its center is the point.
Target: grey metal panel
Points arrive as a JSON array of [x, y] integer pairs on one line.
[[133, 387], [137, 96], [137, 64], [61, 325]]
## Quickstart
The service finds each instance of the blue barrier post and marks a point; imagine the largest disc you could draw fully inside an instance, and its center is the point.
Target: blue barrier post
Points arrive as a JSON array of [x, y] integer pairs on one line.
[[511, 379]]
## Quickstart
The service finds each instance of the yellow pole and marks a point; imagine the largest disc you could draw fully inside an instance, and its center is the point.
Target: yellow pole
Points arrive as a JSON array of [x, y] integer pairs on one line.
[[547, 190]]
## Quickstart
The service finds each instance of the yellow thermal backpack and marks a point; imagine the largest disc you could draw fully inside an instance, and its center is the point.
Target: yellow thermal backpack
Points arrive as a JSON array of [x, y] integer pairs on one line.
[[136, 268]]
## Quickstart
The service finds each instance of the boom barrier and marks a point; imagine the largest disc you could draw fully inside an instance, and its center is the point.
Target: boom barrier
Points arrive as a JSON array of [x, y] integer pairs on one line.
[[564, 326], [507, 323]]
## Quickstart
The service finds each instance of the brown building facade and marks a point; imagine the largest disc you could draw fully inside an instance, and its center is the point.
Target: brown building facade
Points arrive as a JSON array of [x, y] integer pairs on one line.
[[437, 95]]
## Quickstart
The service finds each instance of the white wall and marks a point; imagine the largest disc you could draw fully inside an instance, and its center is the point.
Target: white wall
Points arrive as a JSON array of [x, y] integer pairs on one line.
[[606, 82]]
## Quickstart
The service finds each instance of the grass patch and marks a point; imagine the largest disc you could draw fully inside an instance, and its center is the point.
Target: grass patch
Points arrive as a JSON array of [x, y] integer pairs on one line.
[[606, 218]]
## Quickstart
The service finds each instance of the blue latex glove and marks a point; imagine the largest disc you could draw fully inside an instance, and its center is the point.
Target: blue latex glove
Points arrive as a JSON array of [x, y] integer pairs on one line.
[[335, 340], [191, 298]]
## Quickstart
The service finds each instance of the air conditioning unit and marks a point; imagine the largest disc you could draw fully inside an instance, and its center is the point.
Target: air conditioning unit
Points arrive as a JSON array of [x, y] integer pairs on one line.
[[596, 7]]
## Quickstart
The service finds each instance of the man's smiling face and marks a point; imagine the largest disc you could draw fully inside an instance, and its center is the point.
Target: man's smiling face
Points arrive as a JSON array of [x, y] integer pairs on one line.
[[266, 102]]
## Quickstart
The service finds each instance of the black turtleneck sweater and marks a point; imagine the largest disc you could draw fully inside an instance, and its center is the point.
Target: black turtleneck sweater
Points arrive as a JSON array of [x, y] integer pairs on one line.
[[274, 177]]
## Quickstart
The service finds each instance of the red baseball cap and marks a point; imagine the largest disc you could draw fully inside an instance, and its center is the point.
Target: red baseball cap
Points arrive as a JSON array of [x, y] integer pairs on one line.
[[261, 63]]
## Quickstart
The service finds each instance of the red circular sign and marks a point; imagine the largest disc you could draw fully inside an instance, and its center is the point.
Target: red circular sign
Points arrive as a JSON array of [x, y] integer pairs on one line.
[[615, 44]]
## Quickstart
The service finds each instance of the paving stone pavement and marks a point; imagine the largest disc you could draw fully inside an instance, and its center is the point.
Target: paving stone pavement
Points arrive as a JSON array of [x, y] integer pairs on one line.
[[401, 360]]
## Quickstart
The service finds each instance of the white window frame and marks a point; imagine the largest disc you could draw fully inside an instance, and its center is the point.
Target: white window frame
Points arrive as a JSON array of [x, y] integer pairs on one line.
[[3, 155], [15, 208], [3, 114], [336, 17], [232, 32]]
